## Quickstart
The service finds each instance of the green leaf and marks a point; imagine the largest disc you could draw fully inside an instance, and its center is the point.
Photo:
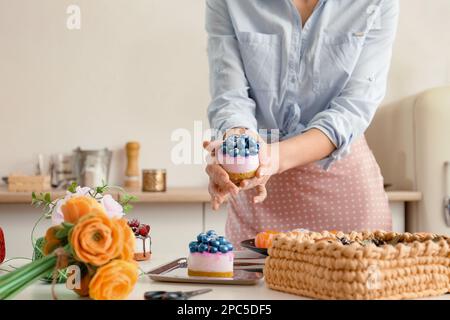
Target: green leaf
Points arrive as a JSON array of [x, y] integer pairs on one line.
[[61, 234], [67, 225], [47, 197], [73, 187]]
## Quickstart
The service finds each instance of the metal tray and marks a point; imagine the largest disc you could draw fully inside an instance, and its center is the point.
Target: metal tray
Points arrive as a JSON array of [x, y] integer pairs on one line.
[[245, 273]]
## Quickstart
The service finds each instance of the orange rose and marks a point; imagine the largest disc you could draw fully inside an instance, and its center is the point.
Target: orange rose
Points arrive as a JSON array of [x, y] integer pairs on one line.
[[129, 242], [114, 281], [51, 241], [77, 207], [97, 239]]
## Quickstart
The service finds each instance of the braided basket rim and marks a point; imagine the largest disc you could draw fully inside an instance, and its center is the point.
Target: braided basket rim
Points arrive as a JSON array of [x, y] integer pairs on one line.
[[408, 245]]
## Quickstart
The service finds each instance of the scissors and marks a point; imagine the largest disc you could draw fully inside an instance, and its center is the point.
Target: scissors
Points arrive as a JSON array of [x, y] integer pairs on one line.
[[173, 295]]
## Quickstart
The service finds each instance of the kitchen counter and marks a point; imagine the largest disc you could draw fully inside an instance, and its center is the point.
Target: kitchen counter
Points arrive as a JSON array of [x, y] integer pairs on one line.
[[176, 195], [41, 291]]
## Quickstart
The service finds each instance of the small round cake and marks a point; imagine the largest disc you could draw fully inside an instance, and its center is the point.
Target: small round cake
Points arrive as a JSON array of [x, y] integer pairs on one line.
[[239, 156], [210, 256], [143, 249]]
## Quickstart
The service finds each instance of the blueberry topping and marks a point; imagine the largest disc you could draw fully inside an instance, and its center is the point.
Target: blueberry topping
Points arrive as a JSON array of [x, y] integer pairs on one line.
[[193, 249], [193, 244], [241, 143], [211, 233], [214, 243], [202, 247], [213, 249], [223, 249]]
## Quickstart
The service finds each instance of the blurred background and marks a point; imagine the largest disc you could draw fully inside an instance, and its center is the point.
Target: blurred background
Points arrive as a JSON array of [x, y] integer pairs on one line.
[[136, 71]]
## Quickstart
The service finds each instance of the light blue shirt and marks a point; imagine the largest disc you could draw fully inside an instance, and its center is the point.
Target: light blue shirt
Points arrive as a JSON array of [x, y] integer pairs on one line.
[[269, 72]]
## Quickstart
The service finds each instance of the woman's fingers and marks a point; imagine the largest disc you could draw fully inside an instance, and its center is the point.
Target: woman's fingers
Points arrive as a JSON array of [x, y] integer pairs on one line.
[[261, 194], [221, 178]]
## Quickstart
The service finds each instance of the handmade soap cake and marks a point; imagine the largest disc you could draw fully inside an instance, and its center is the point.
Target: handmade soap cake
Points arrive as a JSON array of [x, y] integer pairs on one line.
[[239, 156], [210, 256], [143, 249]]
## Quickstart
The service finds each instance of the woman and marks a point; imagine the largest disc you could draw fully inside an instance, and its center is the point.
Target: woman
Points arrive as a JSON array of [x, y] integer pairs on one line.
[[315, 71]]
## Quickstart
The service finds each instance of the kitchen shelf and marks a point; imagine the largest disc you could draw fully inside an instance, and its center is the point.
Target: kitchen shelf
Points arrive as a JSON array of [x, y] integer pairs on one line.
[[176, 195]]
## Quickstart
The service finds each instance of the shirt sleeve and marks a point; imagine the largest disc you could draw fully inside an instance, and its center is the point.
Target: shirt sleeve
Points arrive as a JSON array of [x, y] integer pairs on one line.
[[230, 104], [350, 113]]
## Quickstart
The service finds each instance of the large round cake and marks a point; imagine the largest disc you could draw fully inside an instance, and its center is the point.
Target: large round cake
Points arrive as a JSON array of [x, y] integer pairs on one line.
[[210, 256]]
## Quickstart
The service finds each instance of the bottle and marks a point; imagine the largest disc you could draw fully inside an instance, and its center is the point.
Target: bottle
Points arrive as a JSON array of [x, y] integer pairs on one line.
[[132, 181]]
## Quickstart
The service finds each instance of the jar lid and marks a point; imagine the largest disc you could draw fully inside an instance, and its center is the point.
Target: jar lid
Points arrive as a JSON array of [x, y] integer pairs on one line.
[[154, 171]]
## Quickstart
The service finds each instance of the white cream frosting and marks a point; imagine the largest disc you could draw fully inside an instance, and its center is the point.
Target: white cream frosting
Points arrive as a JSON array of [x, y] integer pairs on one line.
[[139, 248], [211, 262]]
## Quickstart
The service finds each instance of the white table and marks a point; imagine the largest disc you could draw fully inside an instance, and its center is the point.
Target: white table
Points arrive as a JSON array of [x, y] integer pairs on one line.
[[41, 291]]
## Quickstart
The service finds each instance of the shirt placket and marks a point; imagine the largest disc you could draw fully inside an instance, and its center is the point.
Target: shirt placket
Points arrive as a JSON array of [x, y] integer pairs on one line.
[[296, 62]]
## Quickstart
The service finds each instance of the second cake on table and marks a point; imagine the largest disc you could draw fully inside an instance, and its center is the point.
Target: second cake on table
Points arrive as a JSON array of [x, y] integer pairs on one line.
[[210, 256]]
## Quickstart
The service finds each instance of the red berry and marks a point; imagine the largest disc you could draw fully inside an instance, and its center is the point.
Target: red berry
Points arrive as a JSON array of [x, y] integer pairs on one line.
[[143, 230], [147, 227], [134, 223]]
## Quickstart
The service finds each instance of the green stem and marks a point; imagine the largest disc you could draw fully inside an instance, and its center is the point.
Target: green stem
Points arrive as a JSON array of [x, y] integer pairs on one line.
[[26, 275], [22, 270]]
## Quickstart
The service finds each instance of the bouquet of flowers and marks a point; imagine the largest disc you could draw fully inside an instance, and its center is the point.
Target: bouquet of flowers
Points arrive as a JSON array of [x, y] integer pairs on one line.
[[90, 238]]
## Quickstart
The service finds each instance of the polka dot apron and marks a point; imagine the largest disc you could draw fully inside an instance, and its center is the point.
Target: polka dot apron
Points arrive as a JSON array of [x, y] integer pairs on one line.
[[349, 196]]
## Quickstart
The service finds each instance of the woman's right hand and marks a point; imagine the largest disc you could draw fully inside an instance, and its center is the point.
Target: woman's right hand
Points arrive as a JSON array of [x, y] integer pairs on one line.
[[220, 185]]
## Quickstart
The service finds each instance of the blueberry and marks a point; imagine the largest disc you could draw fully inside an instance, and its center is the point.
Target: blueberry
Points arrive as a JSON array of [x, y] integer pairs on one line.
[[235, 152], [210, 232], [202, 247], [203, 238], [230, 144], [200, 236], [252, 143], [193, 244], [193, 249], [223, 249], [242, 152], [214, 243], [230, 152], [224, 148], [230, 247], [223, 241], [253, 151], [213, 250], [247, 152], [241, 143]]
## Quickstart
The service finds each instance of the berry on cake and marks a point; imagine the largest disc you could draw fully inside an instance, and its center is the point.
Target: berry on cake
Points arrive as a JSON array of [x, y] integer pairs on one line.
[[143, 249], [239, 156], [210, 256]]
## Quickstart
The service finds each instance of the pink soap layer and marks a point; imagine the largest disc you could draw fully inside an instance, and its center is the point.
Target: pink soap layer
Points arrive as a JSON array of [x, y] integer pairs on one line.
[[238, 164], [211, 262]]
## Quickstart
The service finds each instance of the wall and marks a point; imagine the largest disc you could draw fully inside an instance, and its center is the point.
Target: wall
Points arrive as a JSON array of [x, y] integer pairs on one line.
[[137, 70]]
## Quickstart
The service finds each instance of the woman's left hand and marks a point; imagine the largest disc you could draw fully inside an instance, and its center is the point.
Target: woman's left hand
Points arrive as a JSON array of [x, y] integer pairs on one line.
[[269, 165]]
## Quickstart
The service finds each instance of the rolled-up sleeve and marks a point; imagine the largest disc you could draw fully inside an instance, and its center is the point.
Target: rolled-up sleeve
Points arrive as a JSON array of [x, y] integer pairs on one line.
[[350, 113], [230, 104]]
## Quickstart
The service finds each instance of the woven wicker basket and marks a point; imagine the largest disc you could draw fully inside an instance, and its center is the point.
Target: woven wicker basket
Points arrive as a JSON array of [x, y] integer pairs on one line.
[[320, 265], [21, 183]]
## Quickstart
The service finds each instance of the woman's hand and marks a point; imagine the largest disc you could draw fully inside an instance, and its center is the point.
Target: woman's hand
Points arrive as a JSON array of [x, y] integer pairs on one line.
[[269, 165], [220, 185]]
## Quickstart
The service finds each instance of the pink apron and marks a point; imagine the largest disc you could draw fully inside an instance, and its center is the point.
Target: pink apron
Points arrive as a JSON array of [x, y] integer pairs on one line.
[[349, 196]]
